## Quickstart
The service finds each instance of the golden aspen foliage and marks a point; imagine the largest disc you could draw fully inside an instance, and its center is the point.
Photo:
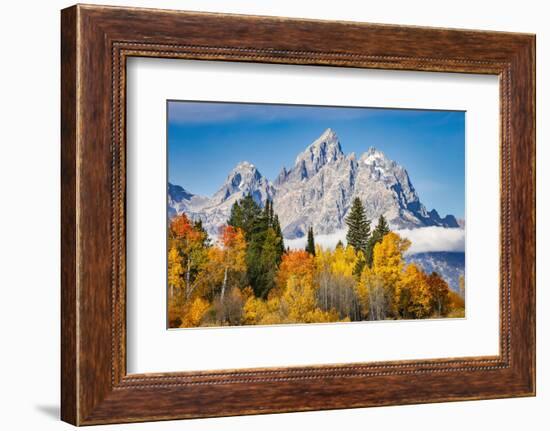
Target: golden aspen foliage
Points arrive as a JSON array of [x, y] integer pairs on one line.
[[189, 241], [175, 270], [320, 316], [362, 289], [455, 300], [254, 310], [175, 312], [372, 295], [413, 294], [195, 313], [323, 259], [296, 263], [299, 305], [214, 267], [236, 282], [456, 305], [344, 260], [234, 248], [388, 259], [247, 292], [261, 312], [461, 286], [298, 298], [439, 290], [225, 260], [387, 265]]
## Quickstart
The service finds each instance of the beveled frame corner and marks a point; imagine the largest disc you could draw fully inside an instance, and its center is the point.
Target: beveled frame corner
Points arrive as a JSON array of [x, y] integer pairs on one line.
[[96, 42]]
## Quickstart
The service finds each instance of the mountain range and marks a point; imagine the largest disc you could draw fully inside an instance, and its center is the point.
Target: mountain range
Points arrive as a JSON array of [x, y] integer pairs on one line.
[[450, 265], [317, 191]]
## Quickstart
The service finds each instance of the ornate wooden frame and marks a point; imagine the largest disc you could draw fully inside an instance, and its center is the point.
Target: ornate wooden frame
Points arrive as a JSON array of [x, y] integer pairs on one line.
[[95, 43]]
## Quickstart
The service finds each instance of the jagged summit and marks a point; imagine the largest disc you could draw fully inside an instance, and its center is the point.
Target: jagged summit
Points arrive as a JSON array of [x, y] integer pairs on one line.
[[318, 190], [324, 149], [373, 156], [178, 193], [328, 134], [244, 178], [244, 165]]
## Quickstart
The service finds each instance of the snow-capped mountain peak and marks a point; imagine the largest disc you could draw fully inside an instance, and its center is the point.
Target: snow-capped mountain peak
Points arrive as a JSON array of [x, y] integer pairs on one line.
[[244, 166], [373, 157], [319, 189], [325, 149], [243, 179]]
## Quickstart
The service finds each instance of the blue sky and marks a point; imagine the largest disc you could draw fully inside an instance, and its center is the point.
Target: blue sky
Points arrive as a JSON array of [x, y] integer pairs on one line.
[[206, 140]]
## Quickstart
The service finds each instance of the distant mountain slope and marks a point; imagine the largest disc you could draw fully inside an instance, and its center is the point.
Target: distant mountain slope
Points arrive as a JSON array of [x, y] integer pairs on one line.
[[180, 200], [450, 265], [317, 191]]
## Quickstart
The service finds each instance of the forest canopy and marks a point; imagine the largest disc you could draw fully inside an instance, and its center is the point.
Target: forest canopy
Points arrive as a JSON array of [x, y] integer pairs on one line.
[[245, 276]]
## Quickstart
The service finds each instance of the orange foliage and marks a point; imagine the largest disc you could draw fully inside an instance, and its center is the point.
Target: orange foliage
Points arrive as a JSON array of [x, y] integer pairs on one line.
[[456, 302], [297, 263], [182, 228], [230, 236]]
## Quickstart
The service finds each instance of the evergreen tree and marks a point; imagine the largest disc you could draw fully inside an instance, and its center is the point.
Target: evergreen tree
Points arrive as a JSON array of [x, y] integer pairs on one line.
[[358, 227], [310, 246], [268, 263], [197, 225], [381, 230], [339, 244], [264, 241], [268, 212], [236, 216], [279, 234], [271, 213], [359, 265], [246, 214]]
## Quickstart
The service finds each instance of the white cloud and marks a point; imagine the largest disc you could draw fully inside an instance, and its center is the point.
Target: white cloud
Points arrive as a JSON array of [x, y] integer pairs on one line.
[[423, 239], [326, 241], [434, 238]]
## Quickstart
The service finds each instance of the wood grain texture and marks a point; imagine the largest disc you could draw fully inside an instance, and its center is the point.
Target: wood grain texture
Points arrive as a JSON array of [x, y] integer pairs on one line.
[[69, 367], [96, 41]]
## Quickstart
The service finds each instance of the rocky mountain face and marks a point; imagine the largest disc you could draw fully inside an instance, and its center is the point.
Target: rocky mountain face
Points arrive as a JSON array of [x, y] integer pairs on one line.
[[180, 200], [317, 191], [244, 179], [449, 265]]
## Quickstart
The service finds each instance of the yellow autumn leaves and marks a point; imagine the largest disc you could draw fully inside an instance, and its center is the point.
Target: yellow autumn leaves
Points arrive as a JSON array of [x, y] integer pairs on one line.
[[208, 284]]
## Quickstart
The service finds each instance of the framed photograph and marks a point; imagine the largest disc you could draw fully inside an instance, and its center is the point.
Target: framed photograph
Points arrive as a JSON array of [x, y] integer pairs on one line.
[[324, 214], [335, 237]]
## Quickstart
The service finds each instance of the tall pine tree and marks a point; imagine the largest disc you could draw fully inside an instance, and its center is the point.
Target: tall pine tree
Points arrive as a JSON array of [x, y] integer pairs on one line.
[[279, 233], [268, 263], [310, 246], [358, 227], [381, 230], [264, 241]]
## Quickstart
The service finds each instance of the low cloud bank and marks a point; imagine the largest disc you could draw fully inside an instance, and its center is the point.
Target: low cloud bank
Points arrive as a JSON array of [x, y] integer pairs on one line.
[[434, 238], [326, 241], [423, 239]]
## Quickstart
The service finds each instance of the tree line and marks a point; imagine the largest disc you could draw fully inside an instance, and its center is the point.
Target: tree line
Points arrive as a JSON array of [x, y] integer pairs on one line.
[[248, 277]]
